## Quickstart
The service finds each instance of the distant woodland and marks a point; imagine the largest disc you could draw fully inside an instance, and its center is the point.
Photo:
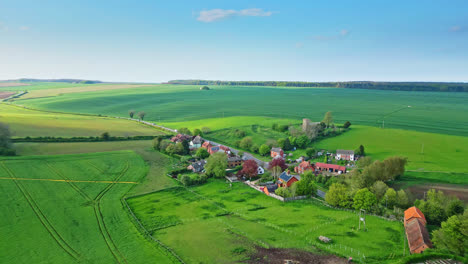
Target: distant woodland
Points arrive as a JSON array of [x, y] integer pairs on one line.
[[396, 86]]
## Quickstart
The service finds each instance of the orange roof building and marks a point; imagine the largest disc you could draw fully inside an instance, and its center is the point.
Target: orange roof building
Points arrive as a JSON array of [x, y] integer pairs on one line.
[[416, 232]]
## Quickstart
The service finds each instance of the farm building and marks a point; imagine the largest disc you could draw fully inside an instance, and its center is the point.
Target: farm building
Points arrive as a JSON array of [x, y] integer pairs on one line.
[[286, 179], [197, 166], [303, 167], [325, 167], [342, 154], [196, 142], [276, 152], [234, 161], [416, 232]]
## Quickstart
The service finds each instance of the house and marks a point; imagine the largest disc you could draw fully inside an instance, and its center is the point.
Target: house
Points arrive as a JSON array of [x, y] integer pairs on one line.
[[321, 167], [180, 138], [286, 179], [416, 232], [197, 166], [303, 167], [196, 142], [206, 145], [342, 154], [276, 152], [234, 162], [271, 188], [260, 170], [214, 149]]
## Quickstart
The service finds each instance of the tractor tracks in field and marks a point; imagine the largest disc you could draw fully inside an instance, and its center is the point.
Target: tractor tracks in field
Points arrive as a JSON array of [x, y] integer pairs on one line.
[[68, 181], [119, 257], [42, 218]]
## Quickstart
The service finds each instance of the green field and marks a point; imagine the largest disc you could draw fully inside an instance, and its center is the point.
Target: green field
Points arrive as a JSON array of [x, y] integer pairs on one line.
[[225, 219], [26, 122], [430, 111], [67, 209]]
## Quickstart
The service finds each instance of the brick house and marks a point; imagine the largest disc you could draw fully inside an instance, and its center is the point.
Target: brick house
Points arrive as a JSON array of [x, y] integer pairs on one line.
[[286, 179], [416, 232], [333, 168], [276, 152], [303, 167], [180, 138], [234, 162], [342, 154]]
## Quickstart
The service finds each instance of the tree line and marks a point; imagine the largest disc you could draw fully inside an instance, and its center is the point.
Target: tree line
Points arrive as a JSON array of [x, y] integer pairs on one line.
[[394, 86]]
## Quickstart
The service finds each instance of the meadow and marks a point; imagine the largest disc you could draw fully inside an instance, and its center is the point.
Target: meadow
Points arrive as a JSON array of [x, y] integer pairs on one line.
[[26, 122], [67, 209], [436, 112], [233, 221]]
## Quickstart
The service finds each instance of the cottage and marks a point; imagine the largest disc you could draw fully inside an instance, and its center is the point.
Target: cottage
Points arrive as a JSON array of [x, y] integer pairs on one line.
[[234, 162], [303, 167], [206, 145], [223, 149], [286, 179], [416, 232], [342, 154], [276, 152], [197, 166], [196, 142], [321, 167]]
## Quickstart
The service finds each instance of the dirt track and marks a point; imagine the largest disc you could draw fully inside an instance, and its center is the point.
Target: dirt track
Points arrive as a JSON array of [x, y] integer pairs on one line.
[[459, 191], [279, 255], [6, 94]]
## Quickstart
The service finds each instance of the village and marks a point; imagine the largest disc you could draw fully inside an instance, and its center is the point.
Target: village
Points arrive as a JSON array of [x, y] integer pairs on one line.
[[286, 179]]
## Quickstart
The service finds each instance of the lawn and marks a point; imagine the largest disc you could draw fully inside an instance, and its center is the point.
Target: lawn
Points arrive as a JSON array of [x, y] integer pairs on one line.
[[231, 222], [26, 122], [425, 151], [63, 209], [436, 112]]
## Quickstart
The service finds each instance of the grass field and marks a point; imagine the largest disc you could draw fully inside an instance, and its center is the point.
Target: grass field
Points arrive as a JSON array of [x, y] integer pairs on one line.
[[232, 221], [425, 151], [25, 122], [73, 214], [430, 112]]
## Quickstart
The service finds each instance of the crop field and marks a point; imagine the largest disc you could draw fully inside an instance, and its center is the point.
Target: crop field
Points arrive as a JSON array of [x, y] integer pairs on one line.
[[232, 221], [67, 209], [436, 112], [425, 151], [26, 122]]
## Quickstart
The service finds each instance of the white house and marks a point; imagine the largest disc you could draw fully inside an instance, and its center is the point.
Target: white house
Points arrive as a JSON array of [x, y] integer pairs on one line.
[[260, 170], [196, 142], [342, 154]]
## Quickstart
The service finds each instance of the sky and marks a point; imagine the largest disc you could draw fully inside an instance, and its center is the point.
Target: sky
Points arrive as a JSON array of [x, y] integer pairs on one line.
[[157, 41]]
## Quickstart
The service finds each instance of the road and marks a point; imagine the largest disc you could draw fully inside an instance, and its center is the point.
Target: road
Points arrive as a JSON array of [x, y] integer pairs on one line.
[[321, 194]]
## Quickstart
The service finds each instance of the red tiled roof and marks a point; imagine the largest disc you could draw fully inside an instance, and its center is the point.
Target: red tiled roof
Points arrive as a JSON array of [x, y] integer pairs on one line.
[[414, 212], [330, 166], [417, 235], [305, 164]]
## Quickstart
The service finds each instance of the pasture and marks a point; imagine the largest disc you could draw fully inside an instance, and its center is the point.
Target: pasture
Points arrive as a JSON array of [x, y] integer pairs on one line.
[[231, 222], [436, 112], [26, 122], [67, 209]]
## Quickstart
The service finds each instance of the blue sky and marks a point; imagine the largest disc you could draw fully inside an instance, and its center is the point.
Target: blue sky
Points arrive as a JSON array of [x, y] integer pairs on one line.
[[154, 41]]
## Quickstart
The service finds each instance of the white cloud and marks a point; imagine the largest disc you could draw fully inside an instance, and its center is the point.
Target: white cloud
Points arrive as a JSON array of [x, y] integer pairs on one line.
[[213, 15]]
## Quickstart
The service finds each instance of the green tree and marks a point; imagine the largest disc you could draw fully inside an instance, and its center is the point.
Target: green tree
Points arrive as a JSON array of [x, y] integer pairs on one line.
[[254, 148], [216, 165], [205, 130], [171, 149], [141, 115], [310, 152], [105, 136], [264, 150], [202, 153], [302, 141], [156, 142], [131, 113], [364, 162], [179, 148], [306, 185], [163, 145], [246, 143], [347, 124], [454, 207], [284, 143], [364, 199], [379, 188], [5, 141], [185, 131], [197, 132], [360, 151], [283, 192], [390, 198], [328, 119], [402, 199], [453, 235], [337, 195]]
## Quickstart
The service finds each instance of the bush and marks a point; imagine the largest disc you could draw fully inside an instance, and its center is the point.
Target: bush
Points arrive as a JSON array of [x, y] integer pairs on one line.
[[283, 192], [246, 143], [7, 152], [239, 133], [192, 179]]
